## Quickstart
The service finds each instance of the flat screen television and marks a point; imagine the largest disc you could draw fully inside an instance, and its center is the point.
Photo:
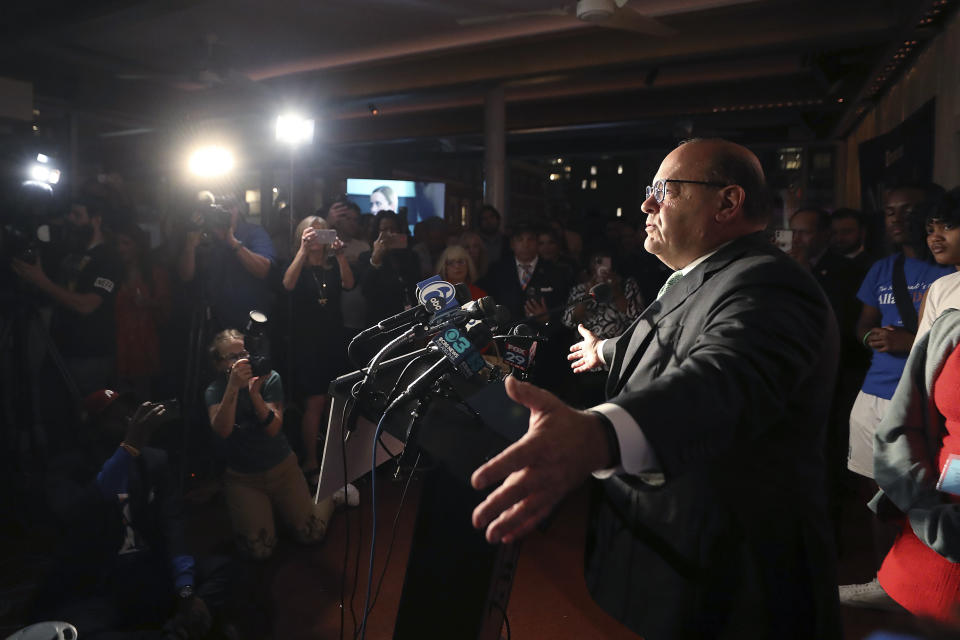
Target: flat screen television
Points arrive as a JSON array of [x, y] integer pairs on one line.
[[422, 199]]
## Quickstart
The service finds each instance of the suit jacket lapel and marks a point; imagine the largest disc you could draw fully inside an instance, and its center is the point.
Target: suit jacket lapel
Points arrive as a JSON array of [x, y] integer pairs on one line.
[[643, 328]]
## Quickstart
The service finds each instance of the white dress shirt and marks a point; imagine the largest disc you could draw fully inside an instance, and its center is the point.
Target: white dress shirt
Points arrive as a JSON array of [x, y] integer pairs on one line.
[[636, 455]]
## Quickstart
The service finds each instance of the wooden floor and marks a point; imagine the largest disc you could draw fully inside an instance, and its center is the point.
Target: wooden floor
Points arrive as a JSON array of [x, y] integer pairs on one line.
[[297, 591], [549, 598]]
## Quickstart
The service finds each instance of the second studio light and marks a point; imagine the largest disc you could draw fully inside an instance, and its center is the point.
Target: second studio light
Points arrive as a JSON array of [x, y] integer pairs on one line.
[[294, 129], [211, 161]]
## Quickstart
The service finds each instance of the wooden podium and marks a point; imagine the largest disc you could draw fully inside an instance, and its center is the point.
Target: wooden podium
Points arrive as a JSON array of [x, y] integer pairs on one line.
[[456, 585]]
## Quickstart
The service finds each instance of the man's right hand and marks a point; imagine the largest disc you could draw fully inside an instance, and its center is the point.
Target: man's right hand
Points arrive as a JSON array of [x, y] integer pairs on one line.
[[240, 374], [584, 355]]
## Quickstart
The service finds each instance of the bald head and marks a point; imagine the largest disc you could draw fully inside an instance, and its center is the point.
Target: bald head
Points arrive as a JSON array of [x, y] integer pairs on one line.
[[731, 163], [710, 192]]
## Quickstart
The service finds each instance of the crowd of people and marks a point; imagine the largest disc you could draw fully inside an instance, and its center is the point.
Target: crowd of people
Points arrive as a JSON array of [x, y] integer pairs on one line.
[[126, 316]]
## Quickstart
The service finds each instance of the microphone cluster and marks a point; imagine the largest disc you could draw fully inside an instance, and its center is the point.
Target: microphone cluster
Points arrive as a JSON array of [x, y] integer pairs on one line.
[[458, 330]]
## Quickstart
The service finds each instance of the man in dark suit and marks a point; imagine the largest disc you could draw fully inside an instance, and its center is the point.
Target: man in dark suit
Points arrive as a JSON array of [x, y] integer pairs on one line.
[[840, 278], [530, 288], [711, 522]]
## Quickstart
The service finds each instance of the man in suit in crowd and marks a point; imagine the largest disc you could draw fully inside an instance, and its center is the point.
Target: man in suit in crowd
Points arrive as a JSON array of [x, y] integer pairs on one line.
[[848, 236], [530, 288], [711, 522], [840, 278]]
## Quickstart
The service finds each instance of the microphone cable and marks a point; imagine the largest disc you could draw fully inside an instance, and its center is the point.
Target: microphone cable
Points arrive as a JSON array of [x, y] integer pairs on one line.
[[373, 532]]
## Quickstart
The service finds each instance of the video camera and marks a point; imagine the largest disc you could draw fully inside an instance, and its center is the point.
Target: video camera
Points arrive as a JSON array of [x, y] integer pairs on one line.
[[209, 218]]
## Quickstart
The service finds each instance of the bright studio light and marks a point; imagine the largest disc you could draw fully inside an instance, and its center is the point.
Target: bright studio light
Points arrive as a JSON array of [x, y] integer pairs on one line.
[[211, 161], [42, 172], [294, 129], [39, 173]]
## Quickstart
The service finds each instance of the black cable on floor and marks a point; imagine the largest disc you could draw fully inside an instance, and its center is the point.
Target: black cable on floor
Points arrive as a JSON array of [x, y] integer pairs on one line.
[[506, 620], [373, 532], [393, 532], [346, 543]]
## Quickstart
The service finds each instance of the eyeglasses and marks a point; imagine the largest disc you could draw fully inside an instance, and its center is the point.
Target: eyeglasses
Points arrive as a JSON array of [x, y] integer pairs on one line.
[[456, 262], [233, 357], [659, 188]]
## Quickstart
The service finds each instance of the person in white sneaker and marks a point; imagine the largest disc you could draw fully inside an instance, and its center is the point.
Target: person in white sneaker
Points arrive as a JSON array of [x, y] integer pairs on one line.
[[917, 466], [913, 446]]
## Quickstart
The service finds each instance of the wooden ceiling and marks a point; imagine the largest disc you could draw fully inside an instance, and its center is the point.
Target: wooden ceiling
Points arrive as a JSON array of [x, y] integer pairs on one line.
[[763, 70]]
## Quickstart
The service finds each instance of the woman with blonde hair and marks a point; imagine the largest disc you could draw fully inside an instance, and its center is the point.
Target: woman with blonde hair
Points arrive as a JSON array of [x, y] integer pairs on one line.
[[475, 246], [383, 198], [316, 277], [455, 266]]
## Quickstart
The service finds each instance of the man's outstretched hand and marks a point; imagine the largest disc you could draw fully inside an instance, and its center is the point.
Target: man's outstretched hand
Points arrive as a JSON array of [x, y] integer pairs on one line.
[[584, 355], [561, 448]]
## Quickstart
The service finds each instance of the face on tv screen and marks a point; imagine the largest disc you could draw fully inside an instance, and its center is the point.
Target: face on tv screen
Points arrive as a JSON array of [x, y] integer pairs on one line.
[[422, 199]]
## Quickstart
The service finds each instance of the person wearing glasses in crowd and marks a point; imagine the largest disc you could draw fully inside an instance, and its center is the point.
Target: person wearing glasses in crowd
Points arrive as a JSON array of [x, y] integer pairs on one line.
[[316, 278], [915, 443], [262, 479], [456, 266], [891, 294], [711, 522], [473, 243]]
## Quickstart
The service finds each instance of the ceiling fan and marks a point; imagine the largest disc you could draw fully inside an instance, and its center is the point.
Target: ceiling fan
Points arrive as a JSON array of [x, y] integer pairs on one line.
[[209, 70], [611, 14]]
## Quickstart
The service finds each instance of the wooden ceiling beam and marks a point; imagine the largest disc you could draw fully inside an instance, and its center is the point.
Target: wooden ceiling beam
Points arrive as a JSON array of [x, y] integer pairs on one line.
[[786, 28]]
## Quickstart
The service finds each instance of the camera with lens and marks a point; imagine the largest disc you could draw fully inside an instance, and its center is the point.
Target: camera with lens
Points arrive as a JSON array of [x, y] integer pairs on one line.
[[20, 243], [210, 218], [257, 343]]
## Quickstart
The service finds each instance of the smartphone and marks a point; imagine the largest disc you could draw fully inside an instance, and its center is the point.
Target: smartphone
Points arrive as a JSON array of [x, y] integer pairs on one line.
[[171, 409], [395, 240], [325, 236], [783, 238]]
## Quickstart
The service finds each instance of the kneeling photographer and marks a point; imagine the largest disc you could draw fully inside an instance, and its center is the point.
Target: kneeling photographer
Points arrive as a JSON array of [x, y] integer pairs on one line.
[[123, 565], [229, 259], [245, 408]]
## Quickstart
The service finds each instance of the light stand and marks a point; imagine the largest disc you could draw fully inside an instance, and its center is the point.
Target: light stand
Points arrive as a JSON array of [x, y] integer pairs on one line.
[[292, 130]]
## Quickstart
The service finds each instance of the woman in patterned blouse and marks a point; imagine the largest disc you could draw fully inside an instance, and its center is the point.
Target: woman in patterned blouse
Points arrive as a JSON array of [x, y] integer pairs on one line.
[[605, 319]]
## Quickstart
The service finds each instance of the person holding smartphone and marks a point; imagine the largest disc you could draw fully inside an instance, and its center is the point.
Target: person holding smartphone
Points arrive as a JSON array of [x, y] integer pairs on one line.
[[392, 270], [316, 278], [604, 319]]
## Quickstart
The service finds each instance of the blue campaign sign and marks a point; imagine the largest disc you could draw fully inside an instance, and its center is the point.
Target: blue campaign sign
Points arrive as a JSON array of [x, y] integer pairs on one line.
[[439, 293]]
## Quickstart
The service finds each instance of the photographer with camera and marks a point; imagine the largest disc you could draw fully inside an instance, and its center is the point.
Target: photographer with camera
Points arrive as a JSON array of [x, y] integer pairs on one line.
[[262, 475], [123, 566], [83, 292], [315, 279], [231, 258]]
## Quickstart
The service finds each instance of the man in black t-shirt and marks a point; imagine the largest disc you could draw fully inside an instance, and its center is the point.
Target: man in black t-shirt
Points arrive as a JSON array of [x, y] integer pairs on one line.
[[83, 325]]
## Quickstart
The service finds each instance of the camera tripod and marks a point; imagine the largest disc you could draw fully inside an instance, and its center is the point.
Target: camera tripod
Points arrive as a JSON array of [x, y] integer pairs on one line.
[[25, 438]]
